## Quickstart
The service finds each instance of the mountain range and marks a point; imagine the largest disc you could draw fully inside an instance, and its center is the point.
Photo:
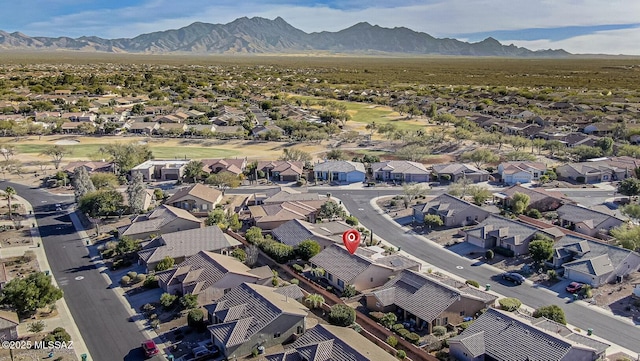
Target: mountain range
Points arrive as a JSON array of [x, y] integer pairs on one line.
[[264, 36]]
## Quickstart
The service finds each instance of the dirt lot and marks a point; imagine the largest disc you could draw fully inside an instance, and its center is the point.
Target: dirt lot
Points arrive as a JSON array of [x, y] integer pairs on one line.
[[20, 266], [15, 237]]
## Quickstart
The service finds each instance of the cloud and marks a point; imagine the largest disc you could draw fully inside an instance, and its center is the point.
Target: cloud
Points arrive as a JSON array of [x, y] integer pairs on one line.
[[440, 18], [615, 42]]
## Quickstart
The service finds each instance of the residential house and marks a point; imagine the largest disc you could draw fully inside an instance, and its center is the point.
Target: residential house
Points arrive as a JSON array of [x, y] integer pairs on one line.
[[367, 268], [449, 302], [210, 275], [232, 165], [455, 171], [147, 128], [539, 198], [270, 216], [505, 336], [588, 220], [162, 220], [198, 199], [9, 322], [287, 194], [400, 171], [326, 342], [3, 275], [282, 170], [453, 211], [172, 128], [339, 171], [90, 166], [155, 169], [182, 244], [599, 170], [593, 262], [521, 171], [262, 130], [295, 231], [251, 316], [497, 231]]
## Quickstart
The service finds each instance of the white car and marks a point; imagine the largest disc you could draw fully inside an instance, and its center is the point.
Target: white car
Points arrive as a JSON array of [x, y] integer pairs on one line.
[[58, 207]]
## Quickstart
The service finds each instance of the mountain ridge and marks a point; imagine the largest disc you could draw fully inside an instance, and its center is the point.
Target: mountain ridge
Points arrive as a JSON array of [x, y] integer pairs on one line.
[[259, 35]]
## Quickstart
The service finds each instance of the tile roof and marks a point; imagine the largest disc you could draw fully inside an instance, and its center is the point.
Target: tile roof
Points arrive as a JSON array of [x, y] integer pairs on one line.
[[204, 270], [592, 257], [288, 195], [522, 166], [296, 231], [291, 291], [156, 219], [457, 168], [187, 243], [535, 194], [577, 214], [331, 343], [342, 166], [446, 205], [535, 343], [505, 227], [8, 319], [474, 343], [400, 166], [410, 289], [260, 306], [197, 190], [336, 260]]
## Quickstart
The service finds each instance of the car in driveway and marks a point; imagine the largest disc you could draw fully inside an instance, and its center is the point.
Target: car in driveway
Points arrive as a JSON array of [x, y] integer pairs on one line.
[[574, 287], [514, 277], [150, 348]]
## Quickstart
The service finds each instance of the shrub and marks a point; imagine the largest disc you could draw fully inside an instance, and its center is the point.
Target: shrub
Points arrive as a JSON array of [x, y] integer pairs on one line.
[[442, 355], [504, 251], [349, 291], [473, 283], [150, 282], [439, 330], [401, 354], [397, 327], [58, 334], [392, 341], [141, 277], [132, 275], [414, 338], [509, 304], [377, 316], [534, 213], [403, 332], [465, 324], [295, 281], [552, 312], [195, 318], [125, 280], [155, 324], [298, 268], [489, 254], [342, 315], [167, 300], [36, 327], [147, 307], [307, 249], [280, 252], [239, 254], [553, 275], [352, 221], [388, 319], [189, 301]]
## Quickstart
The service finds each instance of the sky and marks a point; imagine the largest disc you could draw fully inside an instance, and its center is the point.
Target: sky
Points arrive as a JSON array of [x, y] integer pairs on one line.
[[578, 26]]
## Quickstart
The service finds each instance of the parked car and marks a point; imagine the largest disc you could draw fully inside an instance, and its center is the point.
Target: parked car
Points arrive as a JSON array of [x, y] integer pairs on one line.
[[514, 277], [574, 287], [150, 348]]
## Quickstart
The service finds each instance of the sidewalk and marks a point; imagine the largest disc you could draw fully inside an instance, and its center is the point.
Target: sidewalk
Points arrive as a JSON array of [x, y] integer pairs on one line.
[[94, 255], [64, 318], [611, 350]]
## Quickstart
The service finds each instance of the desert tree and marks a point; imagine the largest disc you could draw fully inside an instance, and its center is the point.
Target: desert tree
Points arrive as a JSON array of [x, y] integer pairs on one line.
[[82, 183], [136, 193], [57, 153]]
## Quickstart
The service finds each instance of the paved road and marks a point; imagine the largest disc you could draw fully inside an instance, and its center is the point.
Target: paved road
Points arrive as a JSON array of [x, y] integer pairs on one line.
[[100, 316], [620, 332]]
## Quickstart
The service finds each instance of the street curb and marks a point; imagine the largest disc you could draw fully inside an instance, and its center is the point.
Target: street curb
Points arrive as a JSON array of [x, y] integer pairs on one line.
[[79, 345]]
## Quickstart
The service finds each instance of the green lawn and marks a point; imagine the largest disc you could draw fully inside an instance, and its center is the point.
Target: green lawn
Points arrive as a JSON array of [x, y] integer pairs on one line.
[[91, 151], [366, 113]]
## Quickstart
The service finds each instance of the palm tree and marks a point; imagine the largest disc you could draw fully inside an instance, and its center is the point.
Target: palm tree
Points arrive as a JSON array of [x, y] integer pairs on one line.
[[10, 192], [315, 300]]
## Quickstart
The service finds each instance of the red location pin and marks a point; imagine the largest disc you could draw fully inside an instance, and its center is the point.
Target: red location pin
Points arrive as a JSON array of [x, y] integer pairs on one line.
[[351, 239]]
